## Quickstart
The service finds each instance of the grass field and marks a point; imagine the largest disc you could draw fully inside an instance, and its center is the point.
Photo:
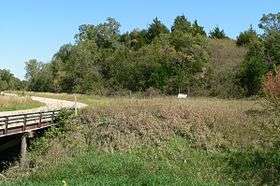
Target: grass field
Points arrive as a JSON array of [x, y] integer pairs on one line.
[[17, 103], [157, 141]]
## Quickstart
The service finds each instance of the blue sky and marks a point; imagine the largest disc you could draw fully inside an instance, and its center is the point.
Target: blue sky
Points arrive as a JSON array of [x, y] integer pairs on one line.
[[36, 29]]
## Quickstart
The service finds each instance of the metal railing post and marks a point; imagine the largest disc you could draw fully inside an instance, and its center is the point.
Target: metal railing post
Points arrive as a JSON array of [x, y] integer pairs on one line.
[[40, 121], [6, 125], [24, 122], [52, 117]]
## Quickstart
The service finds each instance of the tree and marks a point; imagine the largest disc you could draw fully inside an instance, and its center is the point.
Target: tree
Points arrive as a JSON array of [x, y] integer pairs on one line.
[[272, 48], [155, 29], [253, 72], [104, 61], [270, 22], [253, 69], [263, 53], [135, 39], [38, 75], [8, 81], [246, 37], [105, 35], [181, 24], [197, 29], [217, 33]]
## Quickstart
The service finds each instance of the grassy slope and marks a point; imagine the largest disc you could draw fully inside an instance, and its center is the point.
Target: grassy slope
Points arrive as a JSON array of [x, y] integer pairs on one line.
[[14, 103], [131, 145], [173, 163], [224, 65], [225, 53]]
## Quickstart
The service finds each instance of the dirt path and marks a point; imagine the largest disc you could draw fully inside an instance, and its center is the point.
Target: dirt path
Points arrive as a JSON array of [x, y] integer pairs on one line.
[[50, 104]]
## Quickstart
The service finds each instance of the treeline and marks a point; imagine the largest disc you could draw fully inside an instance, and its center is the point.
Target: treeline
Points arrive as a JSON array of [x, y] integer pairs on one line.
[[104, 61], [263, 53], [9, 82], [157, 60]]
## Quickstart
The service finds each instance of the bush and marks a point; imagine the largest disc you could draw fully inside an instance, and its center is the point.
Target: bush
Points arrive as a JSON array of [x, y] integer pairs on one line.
[[152, 92], [262, 166], [271, 87]]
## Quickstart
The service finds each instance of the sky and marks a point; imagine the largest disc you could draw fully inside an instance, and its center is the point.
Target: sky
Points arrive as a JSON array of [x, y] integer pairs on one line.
[[36, 29]]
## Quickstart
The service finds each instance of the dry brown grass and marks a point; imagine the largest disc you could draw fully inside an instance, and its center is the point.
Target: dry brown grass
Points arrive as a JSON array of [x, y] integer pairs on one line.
[[207, 123], [8, 103]]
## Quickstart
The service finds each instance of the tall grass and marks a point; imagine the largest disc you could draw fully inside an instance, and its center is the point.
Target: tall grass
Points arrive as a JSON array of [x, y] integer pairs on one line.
[[164, 141], [17, 103]]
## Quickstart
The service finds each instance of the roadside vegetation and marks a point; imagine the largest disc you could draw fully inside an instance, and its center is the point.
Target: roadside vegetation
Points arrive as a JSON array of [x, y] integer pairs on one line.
[[198, 141], [8, 103]]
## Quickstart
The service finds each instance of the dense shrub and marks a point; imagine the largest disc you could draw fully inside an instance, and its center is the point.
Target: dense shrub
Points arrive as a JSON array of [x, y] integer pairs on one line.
[[271, 88], [261, 166]]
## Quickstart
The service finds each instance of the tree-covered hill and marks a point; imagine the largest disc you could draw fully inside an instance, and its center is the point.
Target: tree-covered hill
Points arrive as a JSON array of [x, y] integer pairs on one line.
[[160, 60]]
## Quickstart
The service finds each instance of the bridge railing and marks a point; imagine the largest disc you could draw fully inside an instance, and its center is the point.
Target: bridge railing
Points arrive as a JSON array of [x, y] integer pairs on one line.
[[19, 123]]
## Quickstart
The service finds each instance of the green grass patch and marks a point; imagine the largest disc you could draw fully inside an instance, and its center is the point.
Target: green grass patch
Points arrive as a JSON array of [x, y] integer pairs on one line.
[[174, 163]]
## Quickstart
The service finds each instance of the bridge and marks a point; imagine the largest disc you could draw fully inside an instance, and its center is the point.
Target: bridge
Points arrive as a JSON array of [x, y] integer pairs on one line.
[[22, 123], [17, 126]]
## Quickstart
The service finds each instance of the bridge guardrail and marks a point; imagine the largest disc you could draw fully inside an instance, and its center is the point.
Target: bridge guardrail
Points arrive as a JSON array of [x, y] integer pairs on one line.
[[20, 123]]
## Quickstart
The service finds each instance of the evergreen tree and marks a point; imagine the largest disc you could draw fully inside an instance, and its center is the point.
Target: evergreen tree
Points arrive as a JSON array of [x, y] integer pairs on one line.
[[155, 29], [217, 33]]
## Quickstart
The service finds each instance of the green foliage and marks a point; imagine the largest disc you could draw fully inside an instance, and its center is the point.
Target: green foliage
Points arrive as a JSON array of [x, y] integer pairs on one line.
[[262, 166], [135, 39], [245, 38], [38, 75], [181, 24], [270, 22], [155, 29], [217, 33], [272, 48], [103, 61], [197, 29], [263, 54], [9, 82], [174, 163], [41, 145], [252, 73], [104, 35]]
